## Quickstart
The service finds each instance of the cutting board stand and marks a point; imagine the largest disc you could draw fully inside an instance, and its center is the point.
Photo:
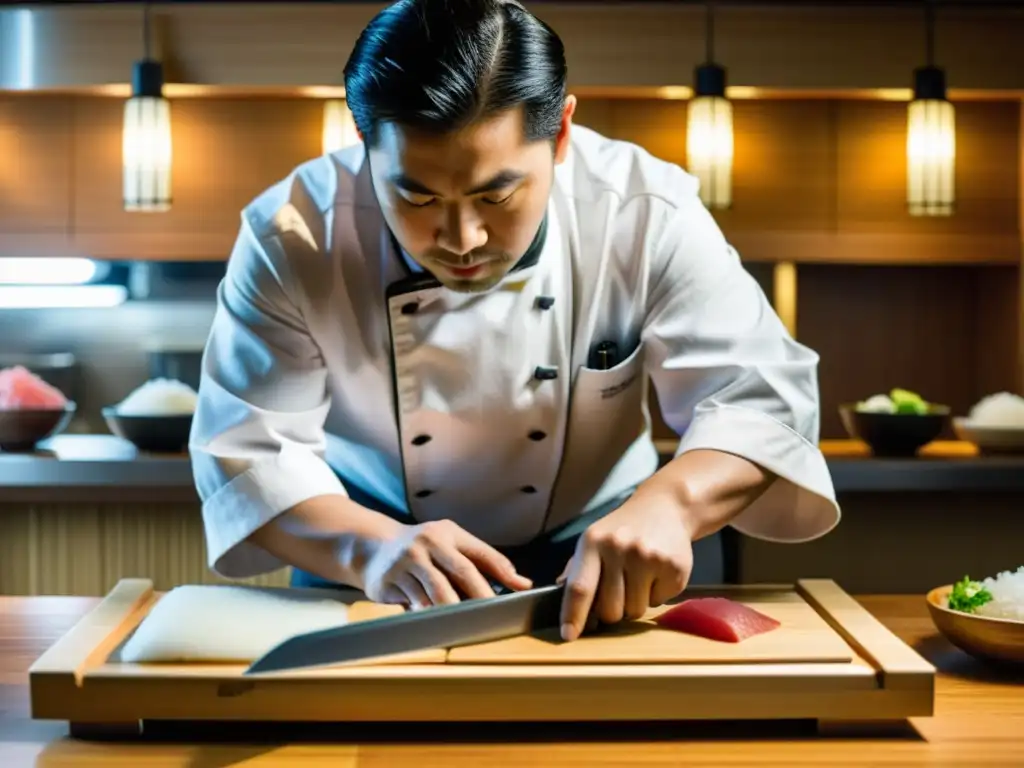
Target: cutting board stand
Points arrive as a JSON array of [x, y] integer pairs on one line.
[[76, 680]]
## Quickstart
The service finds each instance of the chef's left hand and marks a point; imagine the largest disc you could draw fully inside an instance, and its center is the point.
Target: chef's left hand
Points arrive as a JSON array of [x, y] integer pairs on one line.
[[638, 556]]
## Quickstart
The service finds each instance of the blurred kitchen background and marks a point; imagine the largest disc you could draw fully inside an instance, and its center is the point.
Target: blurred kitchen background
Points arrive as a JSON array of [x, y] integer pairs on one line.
[[887, 230]]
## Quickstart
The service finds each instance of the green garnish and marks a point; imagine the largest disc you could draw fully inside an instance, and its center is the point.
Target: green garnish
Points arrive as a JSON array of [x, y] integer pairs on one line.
[[908, 402], [967, 596]]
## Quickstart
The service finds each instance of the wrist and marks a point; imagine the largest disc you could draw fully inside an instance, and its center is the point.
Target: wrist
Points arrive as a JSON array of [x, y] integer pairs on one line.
[[674, 496], [355, 550]]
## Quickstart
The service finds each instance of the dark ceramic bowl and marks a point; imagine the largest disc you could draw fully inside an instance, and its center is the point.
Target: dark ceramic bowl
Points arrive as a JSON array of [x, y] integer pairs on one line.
[[21, 429], [156, 434], [894, 434]]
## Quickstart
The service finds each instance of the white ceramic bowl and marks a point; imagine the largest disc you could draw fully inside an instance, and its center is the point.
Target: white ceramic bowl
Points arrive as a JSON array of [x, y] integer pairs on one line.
[[990, 439]]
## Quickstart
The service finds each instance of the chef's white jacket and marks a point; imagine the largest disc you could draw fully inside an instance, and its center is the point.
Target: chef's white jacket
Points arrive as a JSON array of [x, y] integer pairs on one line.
[[333, 361]]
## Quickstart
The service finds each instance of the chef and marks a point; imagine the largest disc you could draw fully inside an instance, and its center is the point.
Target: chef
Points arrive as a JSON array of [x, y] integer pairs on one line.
[[427, 375]]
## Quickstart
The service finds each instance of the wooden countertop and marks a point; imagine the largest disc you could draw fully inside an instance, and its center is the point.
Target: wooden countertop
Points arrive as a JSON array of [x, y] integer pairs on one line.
[[104, 468], [979, 721]]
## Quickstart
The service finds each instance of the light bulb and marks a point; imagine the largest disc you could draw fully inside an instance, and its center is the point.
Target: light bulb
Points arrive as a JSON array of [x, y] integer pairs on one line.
[[709, 148], [146, 143], [931, 157]]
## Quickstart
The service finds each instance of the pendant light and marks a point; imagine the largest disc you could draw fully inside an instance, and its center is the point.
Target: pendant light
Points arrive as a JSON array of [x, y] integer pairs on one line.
[[709, 135], [931, 137], [146, 140], [339, 126]]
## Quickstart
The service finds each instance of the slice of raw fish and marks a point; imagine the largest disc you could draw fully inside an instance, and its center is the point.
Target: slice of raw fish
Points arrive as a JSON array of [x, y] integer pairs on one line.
[[21, 389], [716, 618]]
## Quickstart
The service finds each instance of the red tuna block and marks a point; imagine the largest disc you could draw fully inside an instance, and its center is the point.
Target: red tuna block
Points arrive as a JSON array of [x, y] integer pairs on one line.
[[716, 618]]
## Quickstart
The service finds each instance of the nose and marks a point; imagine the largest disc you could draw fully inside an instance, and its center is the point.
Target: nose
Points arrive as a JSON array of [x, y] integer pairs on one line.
[[462, 231]]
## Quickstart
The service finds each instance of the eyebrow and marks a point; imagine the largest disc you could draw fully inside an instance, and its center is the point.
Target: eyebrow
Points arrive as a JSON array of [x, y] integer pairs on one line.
[[499, 181]]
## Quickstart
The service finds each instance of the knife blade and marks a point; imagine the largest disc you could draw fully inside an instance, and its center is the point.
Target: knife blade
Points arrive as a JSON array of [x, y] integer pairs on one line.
[[444, 626]]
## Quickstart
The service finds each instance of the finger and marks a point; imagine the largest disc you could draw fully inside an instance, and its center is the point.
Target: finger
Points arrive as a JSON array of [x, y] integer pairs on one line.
[[462, 572], [415, 594], [393, 595], [565, 573], [581, 584], [611, 589], [491, 561], [434, 582], [639, 583], [665, 588]]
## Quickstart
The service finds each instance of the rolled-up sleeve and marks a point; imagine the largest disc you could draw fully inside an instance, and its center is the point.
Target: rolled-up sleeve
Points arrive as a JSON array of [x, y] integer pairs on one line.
[[730, 377], [257, 442]]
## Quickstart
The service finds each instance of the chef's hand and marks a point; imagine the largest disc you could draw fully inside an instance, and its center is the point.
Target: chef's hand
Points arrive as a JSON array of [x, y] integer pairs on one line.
[[424, 564], [638, 556]]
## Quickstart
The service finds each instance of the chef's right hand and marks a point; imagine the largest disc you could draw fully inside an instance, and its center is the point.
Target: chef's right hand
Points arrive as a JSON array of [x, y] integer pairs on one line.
[[425, 564]]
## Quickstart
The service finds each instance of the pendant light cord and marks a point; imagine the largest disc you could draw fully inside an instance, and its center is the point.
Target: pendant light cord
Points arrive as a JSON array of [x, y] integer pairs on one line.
[[145, 32], [929, 26], [709, 27]]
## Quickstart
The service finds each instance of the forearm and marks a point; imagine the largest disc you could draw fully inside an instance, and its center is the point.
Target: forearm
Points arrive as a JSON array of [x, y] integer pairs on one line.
[[709, 488], [329, 536]]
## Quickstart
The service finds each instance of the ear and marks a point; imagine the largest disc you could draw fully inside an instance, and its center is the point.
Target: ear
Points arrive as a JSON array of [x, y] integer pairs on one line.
[[562, 140]]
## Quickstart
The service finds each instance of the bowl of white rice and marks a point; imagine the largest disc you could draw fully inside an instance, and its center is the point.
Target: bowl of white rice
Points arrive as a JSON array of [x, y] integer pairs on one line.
[[156, 416], [995, 424], [983, 618]]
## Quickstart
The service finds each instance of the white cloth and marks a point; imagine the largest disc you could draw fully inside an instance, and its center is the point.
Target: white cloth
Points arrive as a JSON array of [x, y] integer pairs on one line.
[[300, 385]]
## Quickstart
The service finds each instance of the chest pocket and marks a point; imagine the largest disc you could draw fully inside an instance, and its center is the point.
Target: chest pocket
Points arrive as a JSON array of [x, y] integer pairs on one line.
[[613, 390], [606, 417]]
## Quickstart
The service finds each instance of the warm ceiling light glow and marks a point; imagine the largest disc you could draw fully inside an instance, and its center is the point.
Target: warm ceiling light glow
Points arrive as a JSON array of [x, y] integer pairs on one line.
[[709, 138], [321, 91], [339, 127], [674, 92], [931, 147], [735, 92]]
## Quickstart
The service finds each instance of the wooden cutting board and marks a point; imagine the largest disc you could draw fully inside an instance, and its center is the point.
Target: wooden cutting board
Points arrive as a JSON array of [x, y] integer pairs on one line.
[[803, 637]]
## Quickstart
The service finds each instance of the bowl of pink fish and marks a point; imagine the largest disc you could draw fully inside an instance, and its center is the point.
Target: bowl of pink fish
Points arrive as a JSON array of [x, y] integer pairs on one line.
[[31, 410]]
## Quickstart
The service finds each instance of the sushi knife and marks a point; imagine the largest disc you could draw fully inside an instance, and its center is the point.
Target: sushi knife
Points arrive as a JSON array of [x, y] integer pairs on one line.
[[472, 621]]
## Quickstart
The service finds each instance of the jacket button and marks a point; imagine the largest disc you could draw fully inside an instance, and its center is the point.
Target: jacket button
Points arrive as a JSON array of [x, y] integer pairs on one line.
[[421, 439], [544, 373], [423, 494], [410, 308], [537, 435], [528, 489], [545, 302]]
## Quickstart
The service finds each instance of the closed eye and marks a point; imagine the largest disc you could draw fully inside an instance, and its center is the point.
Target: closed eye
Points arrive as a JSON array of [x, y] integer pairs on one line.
[[499, 202], [418, 205]]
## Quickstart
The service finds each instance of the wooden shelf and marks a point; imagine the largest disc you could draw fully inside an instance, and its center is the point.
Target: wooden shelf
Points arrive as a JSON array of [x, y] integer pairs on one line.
[[877, 249]]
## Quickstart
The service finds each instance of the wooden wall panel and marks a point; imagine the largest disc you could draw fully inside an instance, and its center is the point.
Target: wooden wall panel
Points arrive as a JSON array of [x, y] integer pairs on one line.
[[997, 349], [35, 175], [618, 44], [1020, 282], [784, 168], [871, 187], [595, 114], [83, 549], [814, 180], [898, 543], [659, 126], [226, 151], [941, 331]]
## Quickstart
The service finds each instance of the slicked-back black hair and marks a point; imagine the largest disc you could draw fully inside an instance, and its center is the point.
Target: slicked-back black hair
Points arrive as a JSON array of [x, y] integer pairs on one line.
[[438, 65]]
